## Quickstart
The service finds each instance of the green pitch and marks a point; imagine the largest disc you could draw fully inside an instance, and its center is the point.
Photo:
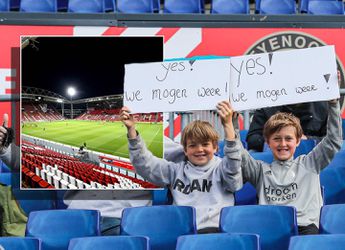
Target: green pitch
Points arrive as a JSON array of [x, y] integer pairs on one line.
[[106, 137]]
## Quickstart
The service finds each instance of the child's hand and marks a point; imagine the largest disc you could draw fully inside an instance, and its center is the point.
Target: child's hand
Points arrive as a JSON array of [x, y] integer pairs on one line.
[[225, 112], [127, 118]]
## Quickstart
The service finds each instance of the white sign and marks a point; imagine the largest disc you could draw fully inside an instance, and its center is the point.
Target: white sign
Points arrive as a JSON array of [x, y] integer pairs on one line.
[[250, 82], [176, 85]]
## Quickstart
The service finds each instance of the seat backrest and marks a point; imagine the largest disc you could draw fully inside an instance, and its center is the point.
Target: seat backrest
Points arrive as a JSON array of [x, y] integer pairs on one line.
[[138, 6], [230, 7], [182, 6], [277, 7], [56, 227], [162, 224], [110, 243], [304, 147], [274, 224], [86, 6], [325, 7], [303, 4], [333, 180], [332, 219], [330, 241], [266, 156], [20, 243], [38, 6], [246, 195], [220, 241]]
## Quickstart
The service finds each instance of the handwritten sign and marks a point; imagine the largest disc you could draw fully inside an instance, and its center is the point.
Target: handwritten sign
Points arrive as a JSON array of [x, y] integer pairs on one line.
[[176, 85], [285, 77], [250, 82]]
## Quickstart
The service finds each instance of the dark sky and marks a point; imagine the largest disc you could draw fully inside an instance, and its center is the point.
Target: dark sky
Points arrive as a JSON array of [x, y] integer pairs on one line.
[[93, 65]]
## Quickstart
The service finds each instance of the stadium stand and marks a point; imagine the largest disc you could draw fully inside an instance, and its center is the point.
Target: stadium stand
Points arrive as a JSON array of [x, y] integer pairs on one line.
[[163, 230], [280, 223], [38, 6], [220, 241], [86, 6], [20, 243], [230, 7], [182, 6], [110, 243], [333, 241], [325, 7], [130, 6], [57, 227], [332, 219]]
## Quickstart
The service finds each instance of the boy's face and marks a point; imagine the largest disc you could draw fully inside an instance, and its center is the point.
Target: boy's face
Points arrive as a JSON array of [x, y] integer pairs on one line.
[[199, 153], [283, 143]]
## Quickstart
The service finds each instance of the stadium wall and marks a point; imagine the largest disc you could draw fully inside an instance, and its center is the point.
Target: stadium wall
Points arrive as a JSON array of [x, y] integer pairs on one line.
[[184, 36]]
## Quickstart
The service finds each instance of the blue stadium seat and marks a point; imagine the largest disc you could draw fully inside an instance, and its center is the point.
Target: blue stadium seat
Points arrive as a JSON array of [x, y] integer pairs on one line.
[[4, 5], [274, 224], [56, 227], [230, 7], [331, 241], [219, 241], [162, 224], [263, 156], [4, 168], [332, 219], [182, 6], [338, 160], [246, 195], [135, 6], [5, 178], [333, 179], [20, 243], [304, 147], [109, 5], [86, 6], [38, 6], [325, 7], [303, 5], [110, 243], [160, 197], [277, 7]]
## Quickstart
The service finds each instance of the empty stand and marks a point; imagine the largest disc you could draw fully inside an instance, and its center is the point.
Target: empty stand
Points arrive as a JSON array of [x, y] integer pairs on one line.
[[162, 224], [110, 243], [38, 6], [274, 224], [220, 241], [334, 242], [56, 227], [20, 243], [332, 219], [277, 7], [86, 6], [135, 6], [325, 7], [182, 6], [230, 7]]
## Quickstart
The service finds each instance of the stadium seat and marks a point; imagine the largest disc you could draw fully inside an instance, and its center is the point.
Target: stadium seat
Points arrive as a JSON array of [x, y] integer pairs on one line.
[[219, 241], [332, 219], [109, 5], [135, 6], [274, 224], [4, 5], [325, 7], [162, 224], [304, 147], [263, 156], [110, 243], [338, 160], [303, 5], [4, 168], [5, 178], [182, 6], [20, 243], [230, 7], [160, 197], [38, 6], [246, 195], [333, 179], [86, 6], [56, 227], [331, 241], [277, 7]]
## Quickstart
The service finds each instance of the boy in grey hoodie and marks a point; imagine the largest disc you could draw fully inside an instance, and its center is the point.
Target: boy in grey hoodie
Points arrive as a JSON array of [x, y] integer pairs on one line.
[[289, 181], [203, 181]]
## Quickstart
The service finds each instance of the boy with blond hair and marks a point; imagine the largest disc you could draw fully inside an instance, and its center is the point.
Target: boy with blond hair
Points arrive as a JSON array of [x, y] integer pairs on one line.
[[203, 181], [289, 181]]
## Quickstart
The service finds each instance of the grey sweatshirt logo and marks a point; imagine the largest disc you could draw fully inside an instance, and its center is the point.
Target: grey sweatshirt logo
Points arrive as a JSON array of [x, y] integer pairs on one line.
[[281, 194], [203, 185]]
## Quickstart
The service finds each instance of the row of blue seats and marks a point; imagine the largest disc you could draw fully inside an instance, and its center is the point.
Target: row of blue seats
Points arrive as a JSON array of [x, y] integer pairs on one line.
[[176, 6], [273, 225], [220, 241]]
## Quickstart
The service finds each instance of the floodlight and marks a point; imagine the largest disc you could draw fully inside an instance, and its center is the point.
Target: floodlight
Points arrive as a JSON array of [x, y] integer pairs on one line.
[[71, 91]]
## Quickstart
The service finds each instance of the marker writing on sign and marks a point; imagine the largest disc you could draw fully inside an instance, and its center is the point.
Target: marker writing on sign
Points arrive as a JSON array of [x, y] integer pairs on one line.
[[170, 67]]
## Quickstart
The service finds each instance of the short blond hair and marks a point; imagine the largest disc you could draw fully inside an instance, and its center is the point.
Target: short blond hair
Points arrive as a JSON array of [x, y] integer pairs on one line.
[[281, 120], [199, 131]]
